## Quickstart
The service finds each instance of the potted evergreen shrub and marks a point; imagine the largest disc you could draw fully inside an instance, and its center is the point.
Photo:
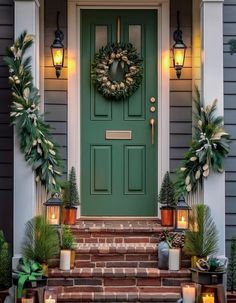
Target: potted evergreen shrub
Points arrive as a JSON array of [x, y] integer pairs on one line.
[[70, 198], [167, 199], [67, 253], [201, 240], [5, 268], [40, 242]]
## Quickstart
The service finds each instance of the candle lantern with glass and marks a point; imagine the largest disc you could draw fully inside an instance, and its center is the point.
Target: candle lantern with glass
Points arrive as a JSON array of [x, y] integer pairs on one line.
[[53, 210], [182, 215], [50, 295]]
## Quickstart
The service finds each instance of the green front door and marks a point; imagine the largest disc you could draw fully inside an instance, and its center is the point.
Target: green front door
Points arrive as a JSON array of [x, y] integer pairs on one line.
[[119, 177]]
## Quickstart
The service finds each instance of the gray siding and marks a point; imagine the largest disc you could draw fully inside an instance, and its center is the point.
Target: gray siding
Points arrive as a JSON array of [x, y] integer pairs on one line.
[[181, 89], [6, 132], [55, 98], [230, 117]]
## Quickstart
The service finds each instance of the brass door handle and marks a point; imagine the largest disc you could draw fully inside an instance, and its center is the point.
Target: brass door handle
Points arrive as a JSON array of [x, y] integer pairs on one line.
[[152, 123]]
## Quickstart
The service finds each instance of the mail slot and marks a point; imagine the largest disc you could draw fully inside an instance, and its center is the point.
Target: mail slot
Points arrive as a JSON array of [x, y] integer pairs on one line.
[[118, 134]]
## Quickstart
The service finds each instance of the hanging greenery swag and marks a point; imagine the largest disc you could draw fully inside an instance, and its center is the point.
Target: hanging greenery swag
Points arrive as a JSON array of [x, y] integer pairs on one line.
[[117, 71], [209, 147], [35, 138]]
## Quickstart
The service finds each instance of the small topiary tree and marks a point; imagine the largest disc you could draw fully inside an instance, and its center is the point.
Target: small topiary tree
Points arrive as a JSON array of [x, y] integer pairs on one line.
[[167, 193], [232, 266], [73, 188], [5, 263]]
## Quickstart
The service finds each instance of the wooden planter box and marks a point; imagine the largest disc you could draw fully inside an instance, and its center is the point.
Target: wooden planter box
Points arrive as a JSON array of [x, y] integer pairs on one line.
[[231, 297], [207, 278]]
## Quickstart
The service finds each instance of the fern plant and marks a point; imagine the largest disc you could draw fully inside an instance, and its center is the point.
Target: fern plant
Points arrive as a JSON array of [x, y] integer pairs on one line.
[[5, 263], [232, 266], [41, 240], [201, 239]]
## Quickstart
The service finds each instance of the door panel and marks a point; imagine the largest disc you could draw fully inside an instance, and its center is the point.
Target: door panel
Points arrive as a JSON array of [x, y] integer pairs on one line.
[[118, 177]]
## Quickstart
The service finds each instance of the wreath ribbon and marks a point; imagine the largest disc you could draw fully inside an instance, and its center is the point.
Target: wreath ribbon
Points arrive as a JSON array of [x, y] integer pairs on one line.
[[27, 270]]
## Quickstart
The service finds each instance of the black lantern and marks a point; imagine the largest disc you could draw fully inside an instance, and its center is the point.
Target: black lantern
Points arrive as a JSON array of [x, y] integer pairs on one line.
[[182, 215], [57, 49], [53, 210], [178, 50]]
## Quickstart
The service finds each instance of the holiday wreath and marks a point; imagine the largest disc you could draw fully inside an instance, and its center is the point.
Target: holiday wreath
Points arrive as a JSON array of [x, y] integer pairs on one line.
[[35, 138], [117, 71], [209, 147]]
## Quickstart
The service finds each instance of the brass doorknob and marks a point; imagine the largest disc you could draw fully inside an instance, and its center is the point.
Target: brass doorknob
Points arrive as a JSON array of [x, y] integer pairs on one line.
[[152, 123]]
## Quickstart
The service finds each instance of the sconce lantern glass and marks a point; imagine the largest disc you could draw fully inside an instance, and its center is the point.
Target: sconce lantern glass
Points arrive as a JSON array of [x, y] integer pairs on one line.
[[178, 49], [53, 210], [182, 215], [57, 49]]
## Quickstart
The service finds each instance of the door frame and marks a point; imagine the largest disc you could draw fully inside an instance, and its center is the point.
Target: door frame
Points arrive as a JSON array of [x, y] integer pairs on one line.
[[163, 85]]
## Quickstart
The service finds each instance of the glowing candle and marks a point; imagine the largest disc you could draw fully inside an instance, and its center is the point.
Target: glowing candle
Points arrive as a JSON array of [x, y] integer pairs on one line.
[[50, 300], [182, 223], [189, 293], [208, 298]]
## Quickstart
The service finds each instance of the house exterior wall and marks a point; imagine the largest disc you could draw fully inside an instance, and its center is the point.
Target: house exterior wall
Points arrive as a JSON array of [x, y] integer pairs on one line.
[[6, 131], [181, 89], [230, 117], [55, 95]]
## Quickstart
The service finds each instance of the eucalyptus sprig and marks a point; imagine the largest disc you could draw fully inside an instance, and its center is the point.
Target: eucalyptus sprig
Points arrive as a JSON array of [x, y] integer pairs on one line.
[[209, 148], [35, 139]]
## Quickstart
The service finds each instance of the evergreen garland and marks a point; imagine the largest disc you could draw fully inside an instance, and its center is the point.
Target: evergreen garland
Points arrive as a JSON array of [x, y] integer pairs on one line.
[[5, 263], [232, 266], [167, 192], [127, 59], [209, 148], [36, 143]]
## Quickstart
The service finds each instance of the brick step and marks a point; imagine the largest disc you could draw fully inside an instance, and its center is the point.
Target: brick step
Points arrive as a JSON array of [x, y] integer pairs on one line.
[[119, 255], [231, 297], [118, 297], [124, 231], [118, 280]]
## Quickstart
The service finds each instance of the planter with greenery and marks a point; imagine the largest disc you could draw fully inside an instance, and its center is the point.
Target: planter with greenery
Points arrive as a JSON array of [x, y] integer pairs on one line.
[[67, 253], [41, 242], [5, 267], [70, 198], [201, 240], [167, 199]]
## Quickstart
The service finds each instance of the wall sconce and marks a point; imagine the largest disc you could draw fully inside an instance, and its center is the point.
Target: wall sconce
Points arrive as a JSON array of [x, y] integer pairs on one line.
[[179, 49], [53, 210], [57, 49], [182, 215]]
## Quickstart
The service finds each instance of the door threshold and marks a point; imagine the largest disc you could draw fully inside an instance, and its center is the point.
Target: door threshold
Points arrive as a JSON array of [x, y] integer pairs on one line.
[[92, 218]]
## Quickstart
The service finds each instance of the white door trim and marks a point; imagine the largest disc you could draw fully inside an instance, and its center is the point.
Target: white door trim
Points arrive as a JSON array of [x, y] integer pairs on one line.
[[74, 8]]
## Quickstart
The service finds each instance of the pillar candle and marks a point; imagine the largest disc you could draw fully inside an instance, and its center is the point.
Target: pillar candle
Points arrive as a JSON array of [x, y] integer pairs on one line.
[[174, 259], [65, 256], [189, 293]]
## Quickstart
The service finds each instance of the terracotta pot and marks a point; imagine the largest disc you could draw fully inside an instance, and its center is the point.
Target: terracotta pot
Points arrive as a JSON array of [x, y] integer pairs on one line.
[[167, 216], [70, 216], [72, 259]]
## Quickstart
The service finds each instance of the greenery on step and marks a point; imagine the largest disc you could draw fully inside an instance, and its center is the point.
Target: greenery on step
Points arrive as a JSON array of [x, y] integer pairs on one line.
[[231, 275], [201, 239], [208, 149], [67, 238], [35, 138], [167, 193], [5, 264], [70, 190], [41, 240]]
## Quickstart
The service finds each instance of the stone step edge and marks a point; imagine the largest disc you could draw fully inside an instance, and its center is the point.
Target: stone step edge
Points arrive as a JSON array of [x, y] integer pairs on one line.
[[117, 272], [116, 229], [118, 297], [119, 248]]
